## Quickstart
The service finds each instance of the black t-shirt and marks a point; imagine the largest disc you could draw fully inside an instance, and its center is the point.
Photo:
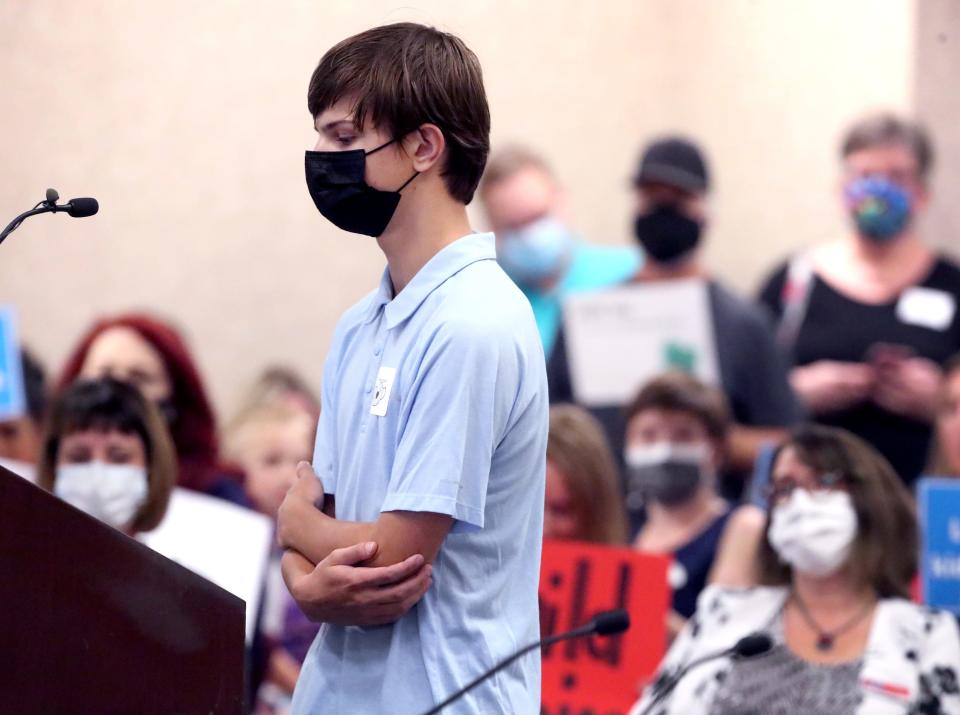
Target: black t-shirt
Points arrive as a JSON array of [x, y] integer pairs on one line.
[[753, 372], [836, 327]]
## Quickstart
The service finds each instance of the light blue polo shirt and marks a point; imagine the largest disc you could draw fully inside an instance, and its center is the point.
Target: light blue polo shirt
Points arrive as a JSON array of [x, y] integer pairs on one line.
[[436, 400]]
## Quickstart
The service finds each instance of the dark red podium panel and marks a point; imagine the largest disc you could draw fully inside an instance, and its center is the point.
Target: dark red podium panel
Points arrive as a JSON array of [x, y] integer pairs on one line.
[[92, 621]]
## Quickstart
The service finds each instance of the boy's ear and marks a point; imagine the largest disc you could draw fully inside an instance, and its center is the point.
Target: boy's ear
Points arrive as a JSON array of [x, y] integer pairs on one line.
[[425, 146]]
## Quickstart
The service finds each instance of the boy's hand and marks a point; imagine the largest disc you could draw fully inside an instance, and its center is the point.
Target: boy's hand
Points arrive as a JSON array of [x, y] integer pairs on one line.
[[338, 591], [306, 494], [308, 486]]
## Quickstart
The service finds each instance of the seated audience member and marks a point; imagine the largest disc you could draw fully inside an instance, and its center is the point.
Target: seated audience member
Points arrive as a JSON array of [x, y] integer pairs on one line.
[[945, 461], [152, 356], [836, 565], [284, 385], [583, 499], [869, 318], [20, 436], [676, 432], [671, 186], [266, 442], [106, 451], [536, 245]]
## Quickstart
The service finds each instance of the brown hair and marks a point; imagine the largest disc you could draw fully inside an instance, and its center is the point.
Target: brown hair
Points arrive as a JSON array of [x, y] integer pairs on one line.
[[682, 392], [507, 162], [576, 445], [405, 75], [884, 553], [885, 129], [105, 405]]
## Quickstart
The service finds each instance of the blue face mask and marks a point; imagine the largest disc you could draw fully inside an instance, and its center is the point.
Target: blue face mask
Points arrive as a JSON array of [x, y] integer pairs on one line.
[[535, 253], [880, 208]]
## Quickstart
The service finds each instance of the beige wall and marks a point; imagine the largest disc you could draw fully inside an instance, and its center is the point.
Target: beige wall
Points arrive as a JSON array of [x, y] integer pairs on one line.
[[187, 121], [938, 105]]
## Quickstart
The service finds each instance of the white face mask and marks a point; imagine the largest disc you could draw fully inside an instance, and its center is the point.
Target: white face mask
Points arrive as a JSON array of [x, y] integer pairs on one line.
[[813, 531], [111, 493]]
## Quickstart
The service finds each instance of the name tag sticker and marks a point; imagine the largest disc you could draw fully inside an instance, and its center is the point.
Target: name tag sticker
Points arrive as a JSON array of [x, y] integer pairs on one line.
[[382, 390], [927, 308]]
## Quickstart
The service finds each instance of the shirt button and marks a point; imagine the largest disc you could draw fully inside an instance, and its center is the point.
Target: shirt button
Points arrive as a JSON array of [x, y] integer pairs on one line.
[[377, 352], [368, 391]]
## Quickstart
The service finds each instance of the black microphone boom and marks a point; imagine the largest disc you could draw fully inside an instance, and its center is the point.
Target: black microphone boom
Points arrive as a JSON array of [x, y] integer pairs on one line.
[[607, 623], [78, 208], [749, 646]]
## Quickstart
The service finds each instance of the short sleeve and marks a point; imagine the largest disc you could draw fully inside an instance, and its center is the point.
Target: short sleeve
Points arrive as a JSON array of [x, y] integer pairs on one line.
[[769, 296], [558, 371], [451, 421], [325, 447], [770, 398], [754, 371], [940, 662]]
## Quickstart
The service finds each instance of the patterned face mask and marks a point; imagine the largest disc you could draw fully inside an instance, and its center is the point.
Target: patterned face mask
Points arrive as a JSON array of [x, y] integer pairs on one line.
[[880, 208]]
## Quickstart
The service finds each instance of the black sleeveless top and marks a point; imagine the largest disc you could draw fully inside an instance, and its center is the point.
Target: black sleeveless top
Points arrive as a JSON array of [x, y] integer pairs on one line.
[[836, 327]]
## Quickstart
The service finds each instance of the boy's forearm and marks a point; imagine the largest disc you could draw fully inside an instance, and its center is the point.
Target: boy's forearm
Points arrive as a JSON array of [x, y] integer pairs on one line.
[[314, 534]]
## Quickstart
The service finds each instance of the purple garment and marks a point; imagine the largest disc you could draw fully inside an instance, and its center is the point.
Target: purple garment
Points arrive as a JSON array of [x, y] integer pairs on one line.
[[298, 631]]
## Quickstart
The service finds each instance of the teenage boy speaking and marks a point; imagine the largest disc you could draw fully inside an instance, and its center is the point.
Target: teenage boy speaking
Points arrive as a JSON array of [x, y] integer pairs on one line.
[[430, 452]]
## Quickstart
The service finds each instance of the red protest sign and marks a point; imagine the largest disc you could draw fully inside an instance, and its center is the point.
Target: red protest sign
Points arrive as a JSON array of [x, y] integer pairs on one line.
[[600, 676]]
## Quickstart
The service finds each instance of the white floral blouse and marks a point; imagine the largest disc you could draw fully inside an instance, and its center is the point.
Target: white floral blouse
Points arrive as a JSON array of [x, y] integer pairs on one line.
[[910, 666]]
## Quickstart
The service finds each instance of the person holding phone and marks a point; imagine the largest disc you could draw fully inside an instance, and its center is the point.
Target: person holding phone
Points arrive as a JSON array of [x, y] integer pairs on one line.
[[869, 319]]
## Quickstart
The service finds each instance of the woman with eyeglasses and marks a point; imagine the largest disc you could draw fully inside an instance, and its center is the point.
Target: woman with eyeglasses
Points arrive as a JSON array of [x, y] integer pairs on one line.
[[835, 567]]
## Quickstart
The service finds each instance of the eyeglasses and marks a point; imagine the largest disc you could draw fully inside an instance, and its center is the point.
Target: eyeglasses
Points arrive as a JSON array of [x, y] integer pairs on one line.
[[781, 490]]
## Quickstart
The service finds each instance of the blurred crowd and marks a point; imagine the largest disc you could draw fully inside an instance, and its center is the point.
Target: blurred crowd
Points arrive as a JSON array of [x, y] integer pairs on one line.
[[783, 492]]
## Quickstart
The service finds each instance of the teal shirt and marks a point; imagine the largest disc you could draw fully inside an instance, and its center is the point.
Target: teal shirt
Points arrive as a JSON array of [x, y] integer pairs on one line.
[[591, 267]]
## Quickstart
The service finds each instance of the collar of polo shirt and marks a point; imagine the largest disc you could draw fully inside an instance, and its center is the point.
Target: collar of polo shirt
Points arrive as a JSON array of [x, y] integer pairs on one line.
[[446, 263]]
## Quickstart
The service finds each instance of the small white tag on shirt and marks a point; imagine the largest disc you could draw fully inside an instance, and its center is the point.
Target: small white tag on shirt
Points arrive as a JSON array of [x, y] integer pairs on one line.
[[927, 308], [382, 390]]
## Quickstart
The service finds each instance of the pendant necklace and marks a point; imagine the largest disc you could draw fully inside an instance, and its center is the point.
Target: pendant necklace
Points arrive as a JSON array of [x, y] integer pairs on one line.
[[826, 639]]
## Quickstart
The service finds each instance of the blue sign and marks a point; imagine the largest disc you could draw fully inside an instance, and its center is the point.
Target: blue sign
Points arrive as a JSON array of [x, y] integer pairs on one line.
[[12, 402], [939, 502]]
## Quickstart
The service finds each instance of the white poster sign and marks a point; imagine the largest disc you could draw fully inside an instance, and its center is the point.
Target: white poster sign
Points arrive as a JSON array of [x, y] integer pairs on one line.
[[619, 339], [220, 541]]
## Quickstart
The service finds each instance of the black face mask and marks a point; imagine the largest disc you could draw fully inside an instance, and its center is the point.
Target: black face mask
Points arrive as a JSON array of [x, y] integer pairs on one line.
[[670, 483], [337, 184], [666, 234]]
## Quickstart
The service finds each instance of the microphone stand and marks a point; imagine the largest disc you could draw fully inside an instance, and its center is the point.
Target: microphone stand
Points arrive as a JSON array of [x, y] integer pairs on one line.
[[13, 225], [749, 646], [77, 208], [582, 631], [604, 624]]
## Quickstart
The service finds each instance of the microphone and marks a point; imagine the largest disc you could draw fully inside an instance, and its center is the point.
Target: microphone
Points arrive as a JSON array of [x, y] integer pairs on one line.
[[78, 208], [606, 623], [749, 646]]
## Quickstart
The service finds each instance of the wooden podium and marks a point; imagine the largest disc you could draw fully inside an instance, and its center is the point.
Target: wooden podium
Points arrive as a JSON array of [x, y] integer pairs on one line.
[[92, 621]]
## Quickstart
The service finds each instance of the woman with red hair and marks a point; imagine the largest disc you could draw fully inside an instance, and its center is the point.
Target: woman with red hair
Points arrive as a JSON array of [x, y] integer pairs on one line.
[[151, 354]]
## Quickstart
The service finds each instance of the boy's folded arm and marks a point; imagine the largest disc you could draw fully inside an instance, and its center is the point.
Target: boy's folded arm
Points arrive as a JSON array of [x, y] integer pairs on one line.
[[399, 534], [402, 534]]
